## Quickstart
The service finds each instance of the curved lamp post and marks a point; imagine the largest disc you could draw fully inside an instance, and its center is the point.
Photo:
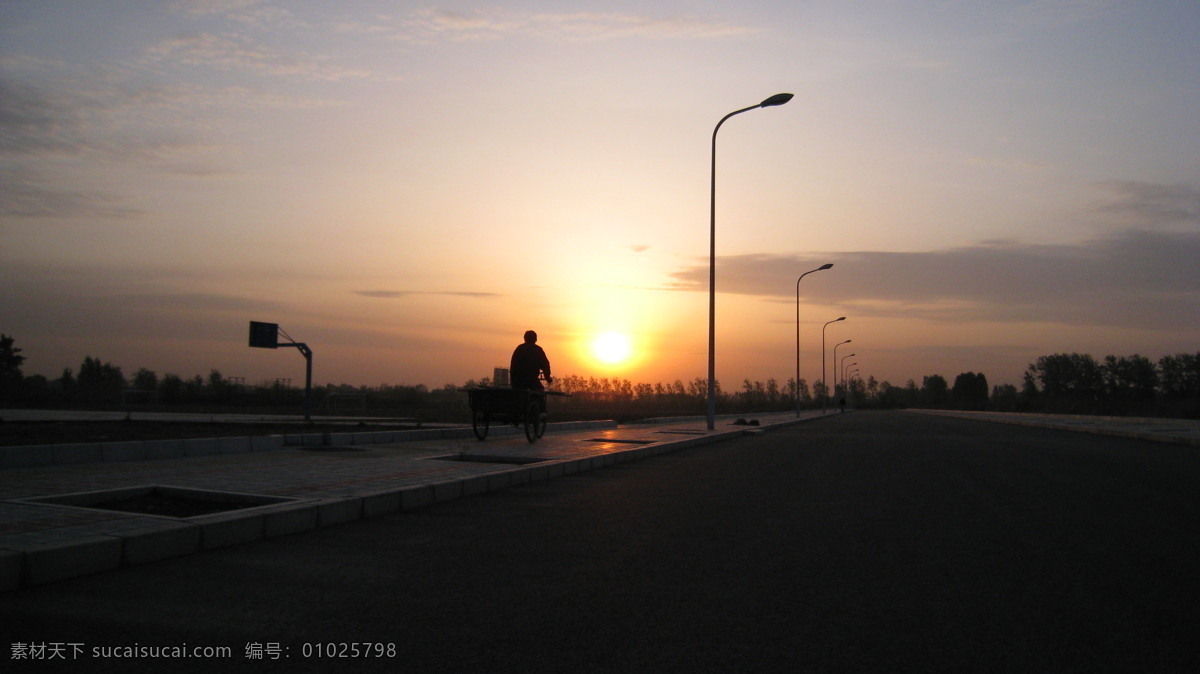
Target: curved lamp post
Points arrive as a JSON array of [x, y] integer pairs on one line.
[[835, 364], [777, 99], [824, 384], [842, 362], [821, 268]]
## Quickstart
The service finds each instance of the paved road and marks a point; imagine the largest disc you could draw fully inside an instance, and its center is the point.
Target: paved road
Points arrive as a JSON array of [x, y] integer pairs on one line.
[[866, 541]]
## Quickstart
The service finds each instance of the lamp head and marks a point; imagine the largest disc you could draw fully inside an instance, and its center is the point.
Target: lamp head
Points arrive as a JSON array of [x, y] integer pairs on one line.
[[825, 266], [777, 99], [842, 318]]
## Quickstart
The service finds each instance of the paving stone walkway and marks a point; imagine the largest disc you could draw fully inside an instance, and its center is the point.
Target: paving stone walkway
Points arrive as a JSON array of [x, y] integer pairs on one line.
[[56, 521]]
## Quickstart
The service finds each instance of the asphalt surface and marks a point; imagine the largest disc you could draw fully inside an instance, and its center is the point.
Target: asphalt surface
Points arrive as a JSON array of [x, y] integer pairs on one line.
[[862, 542]]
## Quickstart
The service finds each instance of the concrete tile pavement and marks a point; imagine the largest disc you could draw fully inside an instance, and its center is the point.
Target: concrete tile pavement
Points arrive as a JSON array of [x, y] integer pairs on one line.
[[51, 529]]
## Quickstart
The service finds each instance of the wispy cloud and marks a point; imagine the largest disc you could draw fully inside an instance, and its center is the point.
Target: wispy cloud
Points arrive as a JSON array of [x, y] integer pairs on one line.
[[247, 12], [109, 120], [1135, 278], [28, 195], [188, 302], [1062, 12], [1155, 204], [607, 26], [103, 302], [223, 7], [396, 294], [47, 115], [233, 52], [37, 119], [435, 23]]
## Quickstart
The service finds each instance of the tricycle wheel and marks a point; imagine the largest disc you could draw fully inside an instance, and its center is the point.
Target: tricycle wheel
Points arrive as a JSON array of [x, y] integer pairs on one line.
[[479, 423], [535, 423]]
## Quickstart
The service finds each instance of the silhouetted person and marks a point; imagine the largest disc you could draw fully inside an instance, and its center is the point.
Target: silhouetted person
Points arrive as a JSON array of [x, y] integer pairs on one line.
[[842, 403], [528, 363]]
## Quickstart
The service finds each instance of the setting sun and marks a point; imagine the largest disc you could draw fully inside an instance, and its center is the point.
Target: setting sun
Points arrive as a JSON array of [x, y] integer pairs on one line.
[[612, 347]]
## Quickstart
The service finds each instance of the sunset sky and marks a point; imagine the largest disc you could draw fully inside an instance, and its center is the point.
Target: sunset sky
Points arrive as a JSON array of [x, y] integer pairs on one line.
[[407, 187]]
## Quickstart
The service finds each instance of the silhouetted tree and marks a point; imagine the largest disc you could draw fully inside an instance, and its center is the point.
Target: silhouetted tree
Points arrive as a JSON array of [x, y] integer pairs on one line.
[[218, 388], [35, 390], [934, 390], [893, 397], [1005, 398], [801, 388], [820, 392], [66, 384], [193, 389], [1180, 376], [1129, 382], [970, 391], [100, 382], [10, 368], [857, 390], [1029, 389], [145, 380], [1073, 381], [872, 387], [171, 388]]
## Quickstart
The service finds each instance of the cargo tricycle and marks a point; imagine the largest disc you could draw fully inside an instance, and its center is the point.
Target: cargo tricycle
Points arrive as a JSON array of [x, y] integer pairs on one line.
[[500, 404]]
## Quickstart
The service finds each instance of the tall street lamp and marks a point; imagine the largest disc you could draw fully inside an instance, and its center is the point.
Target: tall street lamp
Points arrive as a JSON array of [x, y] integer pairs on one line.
[[824, 385], [821, 268], [777, 99], [842, 362], [835, 364]]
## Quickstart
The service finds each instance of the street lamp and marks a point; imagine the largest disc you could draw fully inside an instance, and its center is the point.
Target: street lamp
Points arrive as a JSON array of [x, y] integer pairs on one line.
[[821, 268], [843, 364], [777, 99], [824, 383], [835, 364]]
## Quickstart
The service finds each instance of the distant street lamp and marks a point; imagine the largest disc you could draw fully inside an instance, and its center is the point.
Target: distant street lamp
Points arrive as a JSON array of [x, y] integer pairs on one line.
[[777, 99], [821, 268], [843, 368], [824, 384], [835, 364]]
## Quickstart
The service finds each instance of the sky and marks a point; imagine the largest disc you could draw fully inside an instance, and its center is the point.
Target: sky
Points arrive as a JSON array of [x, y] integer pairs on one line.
[[406, 187]]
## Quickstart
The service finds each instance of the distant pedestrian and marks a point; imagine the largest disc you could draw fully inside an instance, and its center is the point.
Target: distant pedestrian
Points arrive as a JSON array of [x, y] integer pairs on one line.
[[842, 403]]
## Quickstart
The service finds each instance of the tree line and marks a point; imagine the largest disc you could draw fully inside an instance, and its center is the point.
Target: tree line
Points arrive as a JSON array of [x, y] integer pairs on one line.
[[1077, 383], [1059, 383]]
